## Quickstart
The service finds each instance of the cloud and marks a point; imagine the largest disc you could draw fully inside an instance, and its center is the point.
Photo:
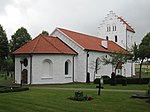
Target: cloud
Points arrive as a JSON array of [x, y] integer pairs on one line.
[[79, 15]]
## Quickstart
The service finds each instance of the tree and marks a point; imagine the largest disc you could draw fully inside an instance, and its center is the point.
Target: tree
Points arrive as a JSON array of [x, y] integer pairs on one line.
[[135, 52], [116, 59], [144, 51], [4, 49], [20, 37], [95, 65], [45, 33]]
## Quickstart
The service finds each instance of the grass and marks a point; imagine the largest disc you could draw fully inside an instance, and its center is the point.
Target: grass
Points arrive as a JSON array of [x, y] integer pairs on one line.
[[44, 100], [106, 86], [5, 78]]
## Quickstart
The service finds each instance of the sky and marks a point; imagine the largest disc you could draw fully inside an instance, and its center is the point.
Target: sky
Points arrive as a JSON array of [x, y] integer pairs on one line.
[[83, 16]]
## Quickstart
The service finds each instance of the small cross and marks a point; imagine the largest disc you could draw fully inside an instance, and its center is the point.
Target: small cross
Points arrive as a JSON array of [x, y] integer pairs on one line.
[[99, 87]]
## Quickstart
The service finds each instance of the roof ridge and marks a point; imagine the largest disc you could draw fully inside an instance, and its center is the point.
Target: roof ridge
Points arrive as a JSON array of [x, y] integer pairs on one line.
[[35, 44], [51, 43], [79, 33]]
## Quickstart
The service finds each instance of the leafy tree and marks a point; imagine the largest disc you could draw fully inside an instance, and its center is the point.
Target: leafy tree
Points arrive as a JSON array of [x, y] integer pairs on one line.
[[115, 59], [45, 33], [135, 52], [144, 51], [20, 37], [4, 49]]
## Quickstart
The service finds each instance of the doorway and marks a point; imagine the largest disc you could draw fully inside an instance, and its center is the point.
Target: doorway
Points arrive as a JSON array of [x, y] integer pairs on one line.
[[24, 76]]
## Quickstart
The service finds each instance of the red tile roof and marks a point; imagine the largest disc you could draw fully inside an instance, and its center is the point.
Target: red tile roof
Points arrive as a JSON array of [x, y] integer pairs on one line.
[[128, 27], [46, 45], [92, 43]]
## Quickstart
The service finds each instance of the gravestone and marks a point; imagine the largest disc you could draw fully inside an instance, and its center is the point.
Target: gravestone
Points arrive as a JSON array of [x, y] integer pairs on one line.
[[113, 79]]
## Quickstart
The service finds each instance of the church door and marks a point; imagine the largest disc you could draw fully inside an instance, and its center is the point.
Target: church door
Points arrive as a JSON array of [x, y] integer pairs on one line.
[[24, 76]]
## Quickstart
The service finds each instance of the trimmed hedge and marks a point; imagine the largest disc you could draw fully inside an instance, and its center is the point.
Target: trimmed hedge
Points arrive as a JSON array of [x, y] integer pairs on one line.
[[5, 89], [125, 81]]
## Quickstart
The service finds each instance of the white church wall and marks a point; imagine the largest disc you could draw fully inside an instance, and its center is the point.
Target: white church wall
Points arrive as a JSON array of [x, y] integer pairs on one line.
[[104, 69], [58, 69], [130, 41], [80, 67], [80, 59]]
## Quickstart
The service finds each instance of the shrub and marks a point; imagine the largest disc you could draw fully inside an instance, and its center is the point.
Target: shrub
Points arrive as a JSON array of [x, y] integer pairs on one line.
[[105, 77], [119, 76], [80, 97], [136, 80], [6, 89]]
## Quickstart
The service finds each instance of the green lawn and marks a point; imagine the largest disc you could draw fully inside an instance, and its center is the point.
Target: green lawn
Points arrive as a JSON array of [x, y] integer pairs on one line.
[[5, 79], [106, 86], [44, 100]]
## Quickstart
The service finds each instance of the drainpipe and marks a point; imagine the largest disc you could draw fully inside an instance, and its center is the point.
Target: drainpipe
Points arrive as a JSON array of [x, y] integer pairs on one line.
[[30, 69], [73, 68], [87, 55], [126, 41]]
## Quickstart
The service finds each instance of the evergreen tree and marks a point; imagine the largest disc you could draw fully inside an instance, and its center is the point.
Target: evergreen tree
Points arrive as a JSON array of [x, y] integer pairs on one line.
[[20, 37], [45, 33], [4, 49]]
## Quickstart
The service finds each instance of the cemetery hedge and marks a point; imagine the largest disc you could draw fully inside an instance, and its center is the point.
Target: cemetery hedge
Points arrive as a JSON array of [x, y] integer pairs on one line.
[[122, 80], [6, 89]]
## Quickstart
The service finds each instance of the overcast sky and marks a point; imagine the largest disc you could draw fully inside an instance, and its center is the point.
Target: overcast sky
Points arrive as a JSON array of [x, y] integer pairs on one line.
[[83, 16]]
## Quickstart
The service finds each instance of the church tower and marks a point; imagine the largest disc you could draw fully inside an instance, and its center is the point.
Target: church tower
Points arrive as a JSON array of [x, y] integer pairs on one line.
[[115, 28]]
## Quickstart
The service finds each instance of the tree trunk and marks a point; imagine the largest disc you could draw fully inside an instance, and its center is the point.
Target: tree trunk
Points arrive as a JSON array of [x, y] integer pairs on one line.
[[116, 67], [140, 71]]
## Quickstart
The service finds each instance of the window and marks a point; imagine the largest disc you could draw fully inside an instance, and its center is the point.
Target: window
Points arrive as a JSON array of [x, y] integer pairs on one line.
[[67, 67], [25, 62], [108, 28], [107, 38], [114, 27], [97, 65], [116, 38]]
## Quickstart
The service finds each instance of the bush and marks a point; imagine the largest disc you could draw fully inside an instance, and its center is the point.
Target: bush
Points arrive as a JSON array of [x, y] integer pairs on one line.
[[96, 81], [119, 76], [6, 89], [105, 77], [80, 97], [137, 80]]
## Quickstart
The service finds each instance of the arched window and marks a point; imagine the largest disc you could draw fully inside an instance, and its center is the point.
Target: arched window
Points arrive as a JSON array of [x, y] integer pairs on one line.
[[47, 68], [67, 67], [97, 65]]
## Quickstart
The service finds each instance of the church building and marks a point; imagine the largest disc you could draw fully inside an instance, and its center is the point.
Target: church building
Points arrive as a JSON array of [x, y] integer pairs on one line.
[[66, 56]]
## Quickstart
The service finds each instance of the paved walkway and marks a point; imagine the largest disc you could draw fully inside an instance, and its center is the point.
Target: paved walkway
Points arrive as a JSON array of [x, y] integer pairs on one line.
[[88, 89]]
